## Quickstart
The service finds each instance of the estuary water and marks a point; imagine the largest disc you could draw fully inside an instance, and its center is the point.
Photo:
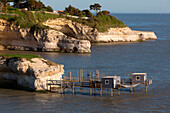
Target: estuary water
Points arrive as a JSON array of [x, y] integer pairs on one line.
[[152, 57]]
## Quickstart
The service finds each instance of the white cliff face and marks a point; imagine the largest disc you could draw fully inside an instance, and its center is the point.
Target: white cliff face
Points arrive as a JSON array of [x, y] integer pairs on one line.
[[74, 45], [33, 74], [80, 31], [65, 36], [124, 35], [41, 40]]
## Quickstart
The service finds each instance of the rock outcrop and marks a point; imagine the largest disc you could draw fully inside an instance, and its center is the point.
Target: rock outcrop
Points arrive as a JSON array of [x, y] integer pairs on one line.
[[80, 31], [15, 38], [32, 73], [125, 35], [66, 36]]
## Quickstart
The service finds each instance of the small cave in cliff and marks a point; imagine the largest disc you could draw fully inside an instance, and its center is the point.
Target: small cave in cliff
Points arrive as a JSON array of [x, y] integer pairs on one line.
[[75, 49]]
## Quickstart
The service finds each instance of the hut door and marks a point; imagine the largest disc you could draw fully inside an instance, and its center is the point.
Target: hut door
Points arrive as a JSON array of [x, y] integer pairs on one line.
[[114, 84]]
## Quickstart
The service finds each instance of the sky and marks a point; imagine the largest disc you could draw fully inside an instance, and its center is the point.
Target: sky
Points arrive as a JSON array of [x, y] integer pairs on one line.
[[115, 6]]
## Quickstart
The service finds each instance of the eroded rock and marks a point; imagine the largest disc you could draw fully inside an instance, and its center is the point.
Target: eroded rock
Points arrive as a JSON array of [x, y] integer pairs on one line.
[[80, 31], [32, 73]]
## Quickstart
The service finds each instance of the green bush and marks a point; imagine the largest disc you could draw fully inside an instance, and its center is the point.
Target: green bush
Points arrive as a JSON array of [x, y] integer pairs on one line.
[[48, 8]]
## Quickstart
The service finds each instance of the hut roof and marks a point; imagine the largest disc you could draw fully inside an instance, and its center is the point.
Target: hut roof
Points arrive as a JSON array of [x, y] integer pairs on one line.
[[111, 77], [139, 74]]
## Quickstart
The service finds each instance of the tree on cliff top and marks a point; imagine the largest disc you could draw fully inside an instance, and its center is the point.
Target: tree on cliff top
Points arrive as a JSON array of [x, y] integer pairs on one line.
[[17, 3], [95, 7]]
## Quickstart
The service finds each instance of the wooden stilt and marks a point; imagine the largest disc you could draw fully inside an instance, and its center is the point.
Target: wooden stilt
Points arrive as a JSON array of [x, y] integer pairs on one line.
[[90, 91], [146, 89], [73, 88], [63, 90], [114, 91], [94, 91], [50, 88], [131, 89], [111, 91], [107, 91], [47, 84], [70, 75], [118, 91], [81, 80], [77, 76], [61, 87], [47, 87], [101, 90], [146, 86]]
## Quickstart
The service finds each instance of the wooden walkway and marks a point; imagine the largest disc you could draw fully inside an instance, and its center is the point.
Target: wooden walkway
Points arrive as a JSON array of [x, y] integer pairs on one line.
[[90, 82]]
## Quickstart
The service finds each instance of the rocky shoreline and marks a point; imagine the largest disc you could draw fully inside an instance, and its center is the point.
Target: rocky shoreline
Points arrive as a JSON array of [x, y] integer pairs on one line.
[[32, 73], [65, 35]]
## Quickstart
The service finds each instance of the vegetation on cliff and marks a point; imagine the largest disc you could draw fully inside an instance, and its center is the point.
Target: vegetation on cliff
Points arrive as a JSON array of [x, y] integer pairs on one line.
[[27, 56], [26, 19], [31, 5], [36, 14], [102, 21]]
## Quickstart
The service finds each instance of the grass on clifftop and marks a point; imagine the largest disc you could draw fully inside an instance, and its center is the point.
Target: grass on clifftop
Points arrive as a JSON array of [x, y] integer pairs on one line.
[[28, 19], [101, 22], [27, 56]]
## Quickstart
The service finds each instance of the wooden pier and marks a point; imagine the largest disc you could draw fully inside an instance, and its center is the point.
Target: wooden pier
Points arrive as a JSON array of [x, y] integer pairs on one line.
[[98, 81]]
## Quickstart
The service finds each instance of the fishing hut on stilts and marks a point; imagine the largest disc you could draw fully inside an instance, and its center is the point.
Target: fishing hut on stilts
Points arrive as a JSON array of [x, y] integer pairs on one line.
[[93, 81]]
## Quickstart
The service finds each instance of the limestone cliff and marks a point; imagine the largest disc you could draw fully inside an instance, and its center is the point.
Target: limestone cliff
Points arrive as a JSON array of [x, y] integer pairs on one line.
[[66, 36], [15, 38], [80, 31], [30, 73]]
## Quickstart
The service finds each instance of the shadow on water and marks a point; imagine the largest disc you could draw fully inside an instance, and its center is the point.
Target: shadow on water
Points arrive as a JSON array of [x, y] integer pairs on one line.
[[12, 84]]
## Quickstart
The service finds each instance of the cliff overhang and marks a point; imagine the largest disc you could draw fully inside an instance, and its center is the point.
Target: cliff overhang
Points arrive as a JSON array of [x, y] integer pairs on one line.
[[32, 73]]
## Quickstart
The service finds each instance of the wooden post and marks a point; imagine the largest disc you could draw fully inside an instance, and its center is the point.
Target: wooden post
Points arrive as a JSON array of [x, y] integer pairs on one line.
[[146, 89], [107, 91], [101, 89], [93, 75], [114, 91], [61, 86], [70, 76], [111, 92], [47, 85], [130, 78], [50, 88], [90, 91], [102, 75], [90, 75], [82, 74], [131, 89], [81, 80], [118, 91], [146, 86], [77, 76], [73, 88], [94, 91], [131, 82]]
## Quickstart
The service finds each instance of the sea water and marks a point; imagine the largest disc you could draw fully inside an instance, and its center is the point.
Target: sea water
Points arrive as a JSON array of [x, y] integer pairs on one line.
[[152, 57]]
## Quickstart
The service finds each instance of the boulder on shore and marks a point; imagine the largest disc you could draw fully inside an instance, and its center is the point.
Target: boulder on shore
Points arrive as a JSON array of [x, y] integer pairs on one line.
[[32, 73]]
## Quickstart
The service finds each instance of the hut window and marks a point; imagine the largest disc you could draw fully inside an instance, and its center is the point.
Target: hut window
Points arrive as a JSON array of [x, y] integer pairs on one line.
[[138, 78], [106, 81]]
